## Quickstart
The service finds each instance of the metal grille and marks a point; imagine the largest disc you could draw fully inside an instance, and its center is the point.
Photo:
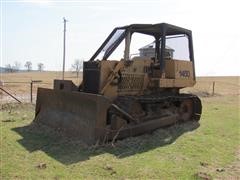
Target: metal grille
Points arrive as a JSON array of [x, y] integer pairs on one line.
[[131, 82]]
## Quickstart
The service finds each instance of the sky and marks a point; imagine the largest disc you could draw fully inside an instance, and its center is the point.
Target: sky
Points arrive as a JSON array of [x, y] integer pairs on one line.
[[33, 30]]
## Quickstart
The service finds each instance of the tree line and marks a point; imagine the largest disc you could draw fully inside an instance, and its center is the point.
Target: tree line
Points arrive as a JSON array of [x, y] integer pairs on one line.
[[15, 67], [76, 67]]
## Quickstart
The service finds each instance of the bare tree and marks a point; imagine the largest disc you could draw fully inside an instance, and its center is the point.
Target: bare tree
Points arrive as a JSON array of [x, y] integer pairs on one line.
[[28, 65], [40, 66], [16, 66], [9, 68], [77, 66]]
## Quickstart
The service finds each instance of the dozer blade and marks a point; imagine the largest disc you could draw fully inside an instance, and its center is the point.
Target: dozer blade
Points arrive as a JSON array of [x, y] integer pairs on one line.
[[76, 114]]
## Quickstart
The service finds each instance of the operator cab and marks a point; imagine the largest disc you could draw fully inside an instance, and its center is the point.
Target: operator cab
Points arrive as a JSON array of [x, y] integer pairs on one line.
[[162, 51], [162, 42]]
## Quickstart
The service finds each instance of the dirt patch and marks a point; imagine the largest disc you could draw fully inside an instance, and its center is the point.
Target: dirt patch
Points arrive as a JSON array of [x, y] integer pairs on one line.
[[202, 176], [230, 171], [8, 120], [42, 166]]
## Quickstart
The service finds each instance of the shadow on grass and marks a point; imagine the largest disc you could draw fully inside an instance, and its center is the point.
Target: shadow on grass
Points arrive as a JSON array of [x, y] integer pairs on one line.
[[68, 151]]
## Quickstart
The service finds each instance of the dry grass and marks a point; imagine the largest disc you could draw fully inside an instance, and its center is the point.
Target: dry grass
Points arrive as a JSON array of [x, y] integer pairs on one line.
[[224, 85], [46, 77], [18, 84]]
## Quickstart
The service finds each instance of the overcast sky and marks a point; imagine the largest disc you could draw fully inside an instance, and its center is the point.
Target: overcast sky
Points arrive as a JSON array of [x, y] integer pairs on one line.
[[33, 30]]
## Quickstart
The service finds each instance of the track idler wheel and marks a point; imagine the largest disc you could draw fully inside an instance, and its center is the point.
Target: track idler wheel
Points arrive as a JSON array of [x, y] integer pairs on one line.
[[186, 110], [197, 108], [190, 109]]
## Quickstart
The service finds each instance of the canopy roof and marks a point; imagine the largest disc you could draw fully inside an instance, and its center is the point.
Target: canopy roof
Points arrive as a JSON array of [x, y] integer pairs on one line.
[[156, 29]]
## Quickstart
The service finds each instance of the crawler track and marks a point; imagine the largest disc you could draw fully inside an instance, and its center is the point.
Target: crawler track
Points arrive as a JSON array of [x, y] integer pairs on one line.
[[159, 105]]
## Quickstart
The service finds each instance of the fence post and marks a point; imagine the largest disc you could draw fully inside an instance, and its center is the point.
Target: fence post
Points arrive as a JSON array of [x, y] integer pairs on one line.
[[31, 86], [213, 88], [31, 89]]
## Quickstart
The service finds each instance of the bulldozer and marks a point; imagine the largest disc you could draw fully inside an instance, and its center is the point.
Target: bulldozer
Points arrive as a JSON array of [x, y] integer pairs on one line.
[[135, 94]]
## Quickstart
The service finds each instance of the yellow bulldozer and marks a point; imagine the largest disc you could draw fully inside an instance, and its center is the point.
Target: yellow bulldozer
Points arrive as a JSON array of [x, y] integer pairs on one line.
[[125, 97]]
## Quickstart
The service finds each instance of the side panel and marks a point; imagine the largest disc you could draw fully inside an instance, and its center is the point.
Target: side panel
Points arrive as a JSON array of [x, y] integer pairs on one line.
[[178, 73], [179, 69], [91, 77]]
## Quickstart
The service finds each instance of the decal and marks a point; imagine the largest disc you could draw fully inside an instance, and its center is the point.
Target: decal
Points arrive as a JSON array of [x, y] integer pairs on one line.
[[184, 73]]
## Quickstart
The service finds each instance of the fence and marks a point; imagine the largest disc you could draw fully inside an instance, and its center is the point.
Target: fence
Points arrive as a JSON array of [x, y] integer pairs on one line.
[[22, 92], [215, 86], [26, 91]]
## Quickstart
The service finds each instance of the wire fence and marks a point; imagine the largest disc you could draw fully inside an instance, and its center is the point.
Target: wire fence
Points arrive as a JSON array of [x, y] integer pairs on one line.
[[26, 92], [206, 88]]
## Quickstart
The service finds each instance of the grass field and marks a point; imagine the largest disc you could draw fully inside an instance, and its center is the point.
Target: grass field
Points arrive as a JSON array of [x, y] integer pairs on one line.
[[186, 151]]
